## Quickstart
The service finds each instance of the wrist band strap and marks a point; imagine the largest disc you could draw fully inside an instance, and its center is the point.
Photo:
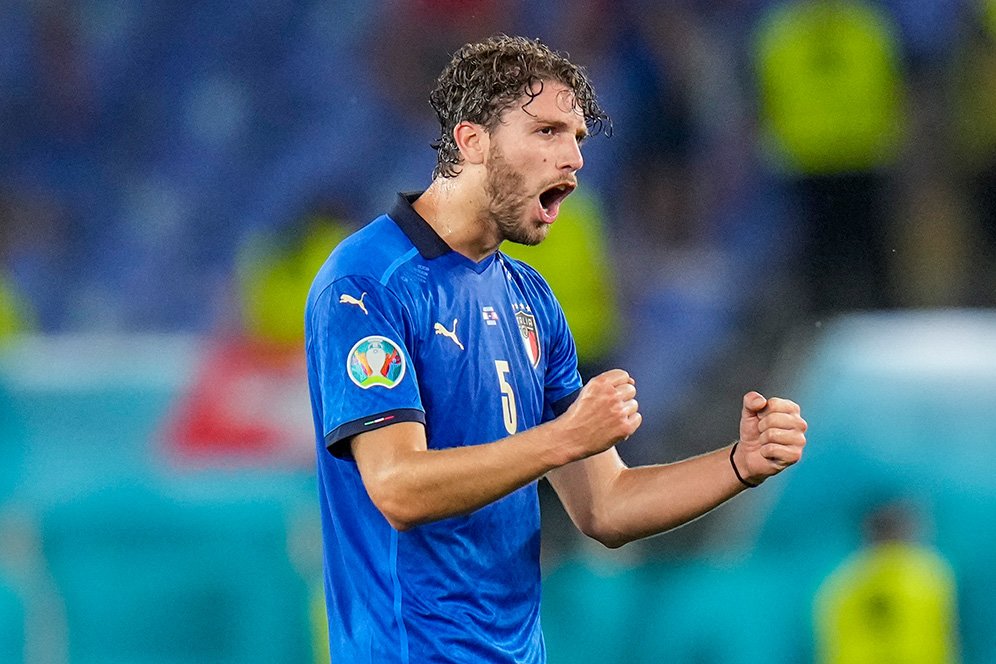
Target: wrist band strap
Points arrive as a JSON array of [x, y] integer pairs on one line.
[[736, 471]]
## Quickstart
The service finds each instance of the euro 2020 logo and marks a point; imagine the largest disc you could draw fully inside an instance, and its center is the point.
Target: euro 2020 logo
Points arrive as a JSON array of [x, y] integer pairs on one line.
[[375, 361]]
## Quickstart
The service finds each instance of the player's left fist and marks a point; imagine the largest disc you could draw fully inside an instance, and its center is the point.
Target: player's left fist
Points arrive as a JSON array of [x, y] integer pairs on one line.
[[772, 436]]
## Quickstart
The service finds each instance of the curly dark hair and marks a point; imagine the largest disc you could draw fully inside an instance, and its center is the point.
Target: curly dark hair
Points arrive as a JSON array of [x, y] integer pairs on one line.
[[484, 79]]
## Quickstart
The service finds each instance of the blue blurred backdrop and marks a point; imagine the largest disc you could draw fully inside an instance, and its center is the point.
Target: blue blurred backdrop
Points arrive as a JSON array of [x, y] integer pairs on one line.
[[796, 196]]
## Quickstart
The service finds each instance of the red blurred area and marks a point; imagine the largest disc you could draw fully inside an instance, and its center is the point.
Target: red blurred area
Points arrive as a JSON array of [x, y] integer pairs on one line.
[[248, 403]]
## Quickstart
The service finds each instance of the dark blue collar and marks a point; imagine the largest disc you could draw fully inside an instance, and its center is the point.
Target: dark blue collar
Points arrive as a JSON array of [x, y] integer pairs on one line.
[[418, 230]]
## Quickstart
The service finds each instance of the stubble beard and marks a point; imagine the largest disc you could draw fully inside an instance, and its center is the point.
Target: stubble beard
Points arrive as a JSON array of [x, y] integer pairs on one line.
[[508, 203]]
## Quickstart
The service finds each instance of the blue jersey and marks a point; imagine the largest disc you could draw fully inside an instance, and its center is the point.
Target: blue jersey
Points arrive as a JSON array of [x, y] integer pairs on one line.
[[401, 328]]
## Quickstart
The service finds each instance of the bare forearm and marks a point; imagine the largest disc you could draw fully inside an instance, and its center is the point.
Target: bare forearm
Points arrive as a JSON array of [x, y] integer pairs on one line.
[[615, 504], [411, 484], [428, 485], [647, 500]]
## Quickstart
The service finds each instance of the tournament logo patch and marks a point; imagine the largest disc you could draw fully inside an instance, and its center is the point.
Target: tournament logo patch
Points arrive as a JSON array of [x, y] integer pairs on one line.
[[375, 361], [530, 337]]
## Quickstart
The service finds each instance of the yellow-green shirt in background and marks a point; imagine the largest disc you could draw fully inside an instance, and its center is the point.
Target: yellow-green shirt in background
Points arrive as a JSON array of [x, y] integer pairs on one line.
[[831, 87], [893, 603]]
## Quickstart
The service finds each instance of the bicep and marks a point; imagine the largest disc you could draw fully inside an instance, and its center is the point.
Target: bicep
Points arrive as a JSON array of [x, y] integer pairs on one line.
[[379, 453], [584, 485]]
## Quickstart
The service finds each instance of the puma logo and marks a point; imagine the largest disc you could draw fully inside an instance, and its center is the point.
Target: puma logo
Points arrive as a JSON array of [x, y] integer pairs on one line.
[[349, 299], [438, 327]]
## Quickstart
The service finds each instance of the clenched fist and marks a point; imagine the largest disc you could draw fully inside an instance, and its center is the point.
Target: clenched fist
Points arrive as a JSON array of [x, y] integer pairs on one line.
[[772, 437], [605, 413]]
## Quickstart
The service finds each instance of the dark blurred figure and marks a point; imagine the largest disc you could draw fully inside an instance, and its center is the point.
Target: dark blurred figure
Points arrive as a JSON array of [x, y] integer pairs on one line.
[[682, 98], [973, 123], [893, 602], [831, 94]]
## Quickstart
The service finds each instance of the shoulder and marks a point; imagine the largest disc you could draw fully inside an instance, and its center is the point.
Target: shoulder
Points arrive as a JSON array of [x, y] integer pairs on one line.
[[369, 252], [368, 255], [358, 272]]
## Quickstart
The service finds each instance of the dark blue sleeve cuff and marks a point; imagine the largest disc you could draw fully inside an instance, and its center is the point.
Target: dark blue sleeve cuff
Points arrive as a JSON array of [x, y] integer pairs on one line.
[[561, 405], [337, 440]]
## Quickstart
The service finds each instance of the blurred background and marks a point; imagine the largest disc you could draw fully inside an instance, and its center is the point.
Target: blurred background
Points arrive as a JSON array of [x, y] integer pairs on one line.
[[797, 197]]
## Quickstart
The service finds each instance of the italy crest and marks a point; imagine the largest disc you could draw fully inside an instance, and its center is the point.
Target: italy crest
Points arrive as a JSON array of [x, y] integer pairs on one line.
[[530, 337], [375, 361]]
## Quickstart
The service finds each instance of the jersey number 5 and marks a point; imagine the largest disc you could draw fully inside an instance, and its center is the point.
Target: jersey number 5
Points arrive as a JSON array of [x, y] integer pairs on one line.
[[507, 397]]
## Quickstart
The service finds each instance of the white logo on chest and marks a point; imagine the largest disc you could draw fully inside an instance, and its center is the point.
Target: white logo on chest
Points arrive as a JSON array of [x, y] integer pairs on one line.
[[439, 329]]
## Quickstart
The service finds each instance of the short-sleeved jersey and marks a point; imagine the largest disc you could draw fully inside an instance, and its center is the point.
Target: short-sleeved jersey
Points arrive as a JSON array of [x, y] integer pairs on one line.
[[401, 328]]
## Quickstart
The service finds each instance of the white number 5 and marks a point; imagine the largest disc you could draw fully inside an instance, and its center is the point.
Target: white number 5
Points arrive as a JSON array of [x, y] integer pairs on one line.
[[507, 397]]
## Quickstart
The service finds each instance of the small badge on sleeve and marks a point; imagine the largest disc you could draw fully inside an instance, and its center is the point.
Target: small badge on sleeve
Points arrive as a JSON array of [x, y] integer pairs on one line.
[[375, 361]]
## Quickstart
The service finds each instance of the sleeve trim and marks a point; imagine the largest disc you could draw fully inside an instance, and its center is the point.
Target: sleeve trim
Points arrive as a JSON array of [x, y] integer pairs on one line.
[[337, 440], [561, 405]]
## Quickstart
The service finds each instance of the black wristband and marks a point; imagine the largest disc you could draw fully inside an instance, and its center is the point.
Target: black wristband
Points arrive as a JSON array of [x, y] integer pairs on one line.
[[733, 463]]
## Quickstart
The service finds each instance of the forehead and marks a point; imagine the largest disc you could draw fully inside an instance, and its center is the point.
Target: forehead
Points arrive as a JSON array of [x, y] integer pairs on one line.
[[553, 102]]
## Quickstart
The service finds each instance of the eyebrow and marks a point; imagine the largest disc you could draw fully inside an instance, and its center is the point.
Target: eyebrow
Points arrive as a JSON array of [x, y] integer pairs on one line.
[[581, 134]]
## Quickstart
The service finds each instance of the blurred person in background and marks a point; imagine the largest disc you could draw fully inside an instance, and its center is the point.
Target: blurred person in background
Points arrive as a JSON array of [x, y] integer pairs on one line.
[[930, 230], [831, 95], [892, 601], [248, 400], [275, 269], [444, 384], [972, 118]]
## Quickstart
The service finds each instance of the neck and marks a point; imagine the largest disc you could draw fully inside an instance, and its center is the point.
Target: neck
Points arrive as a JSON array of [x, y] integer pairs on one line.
[[457, 210]]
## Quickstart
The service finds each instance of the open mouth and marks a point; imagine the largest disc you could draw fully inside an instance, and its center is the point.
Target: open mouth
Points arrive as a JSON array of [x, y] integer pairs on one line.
[[551, 199]]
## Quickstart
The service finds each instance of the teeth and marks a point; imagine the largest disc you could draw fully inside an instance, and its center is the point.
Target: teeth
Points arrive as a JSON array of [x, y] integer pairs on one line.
[[554, 194]]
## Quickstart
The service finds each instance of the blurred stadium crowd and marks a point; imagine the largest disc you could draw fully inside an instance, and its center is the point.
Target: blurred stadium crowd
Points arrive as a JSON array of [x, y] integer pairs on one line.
[[846, 150], [184, 170]]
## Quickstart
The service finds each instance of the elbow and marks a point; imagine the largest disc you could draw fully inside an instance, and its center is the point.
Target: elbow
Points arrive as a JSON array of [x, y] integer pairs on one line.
[[614, 542], [392, 490], [398, 513], [600, 527], [399, 524], [397, 518], [398, 509], [608, 540]]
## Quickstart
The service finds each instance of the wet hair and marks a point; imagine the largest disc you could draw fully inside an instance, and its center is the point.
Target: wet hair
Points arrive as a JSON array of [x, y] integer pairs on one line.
[[484, 79]]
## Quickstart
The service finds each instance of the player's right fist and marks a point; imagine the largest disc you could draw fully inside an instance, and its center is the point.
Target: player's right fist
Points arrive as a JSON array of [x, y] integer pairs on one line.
[[605, 413]]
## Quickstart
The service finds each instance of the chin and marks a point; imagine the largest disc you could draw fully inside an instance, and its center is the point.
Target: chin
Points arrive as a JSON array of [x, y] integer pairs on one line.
[[529, 237]]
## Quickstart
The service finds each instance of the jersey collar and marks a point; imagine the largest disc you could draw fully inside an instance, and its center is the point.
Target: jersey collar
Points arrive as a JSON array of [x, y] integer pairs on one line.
[[418, 230]]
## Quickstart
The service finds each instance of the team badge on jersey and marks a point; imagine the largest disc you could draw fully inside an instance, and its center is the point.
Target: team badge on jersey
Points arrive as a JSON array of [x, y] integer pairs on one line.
[[530, 337], [375, 361]]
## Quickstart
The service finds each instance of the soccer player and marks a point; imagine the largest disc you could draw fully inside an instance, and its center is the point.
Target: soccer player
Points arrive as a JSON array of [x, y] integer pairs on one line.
[[444, 384]]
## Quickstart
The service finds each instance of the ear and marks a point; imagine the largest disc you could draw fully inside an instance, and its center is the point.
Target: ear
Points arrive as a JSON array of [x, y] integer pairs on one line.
[[472, 140]]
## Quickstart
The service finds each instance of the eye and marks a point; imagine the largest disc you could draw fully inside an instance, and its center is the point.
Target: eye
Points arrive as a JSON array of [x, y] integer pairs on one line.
[[547, 131]]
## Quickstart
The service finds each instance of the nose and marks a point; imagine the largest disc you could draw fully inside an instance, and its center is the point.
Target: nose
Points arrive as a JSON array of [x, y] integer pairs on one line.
[[571, 159]]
